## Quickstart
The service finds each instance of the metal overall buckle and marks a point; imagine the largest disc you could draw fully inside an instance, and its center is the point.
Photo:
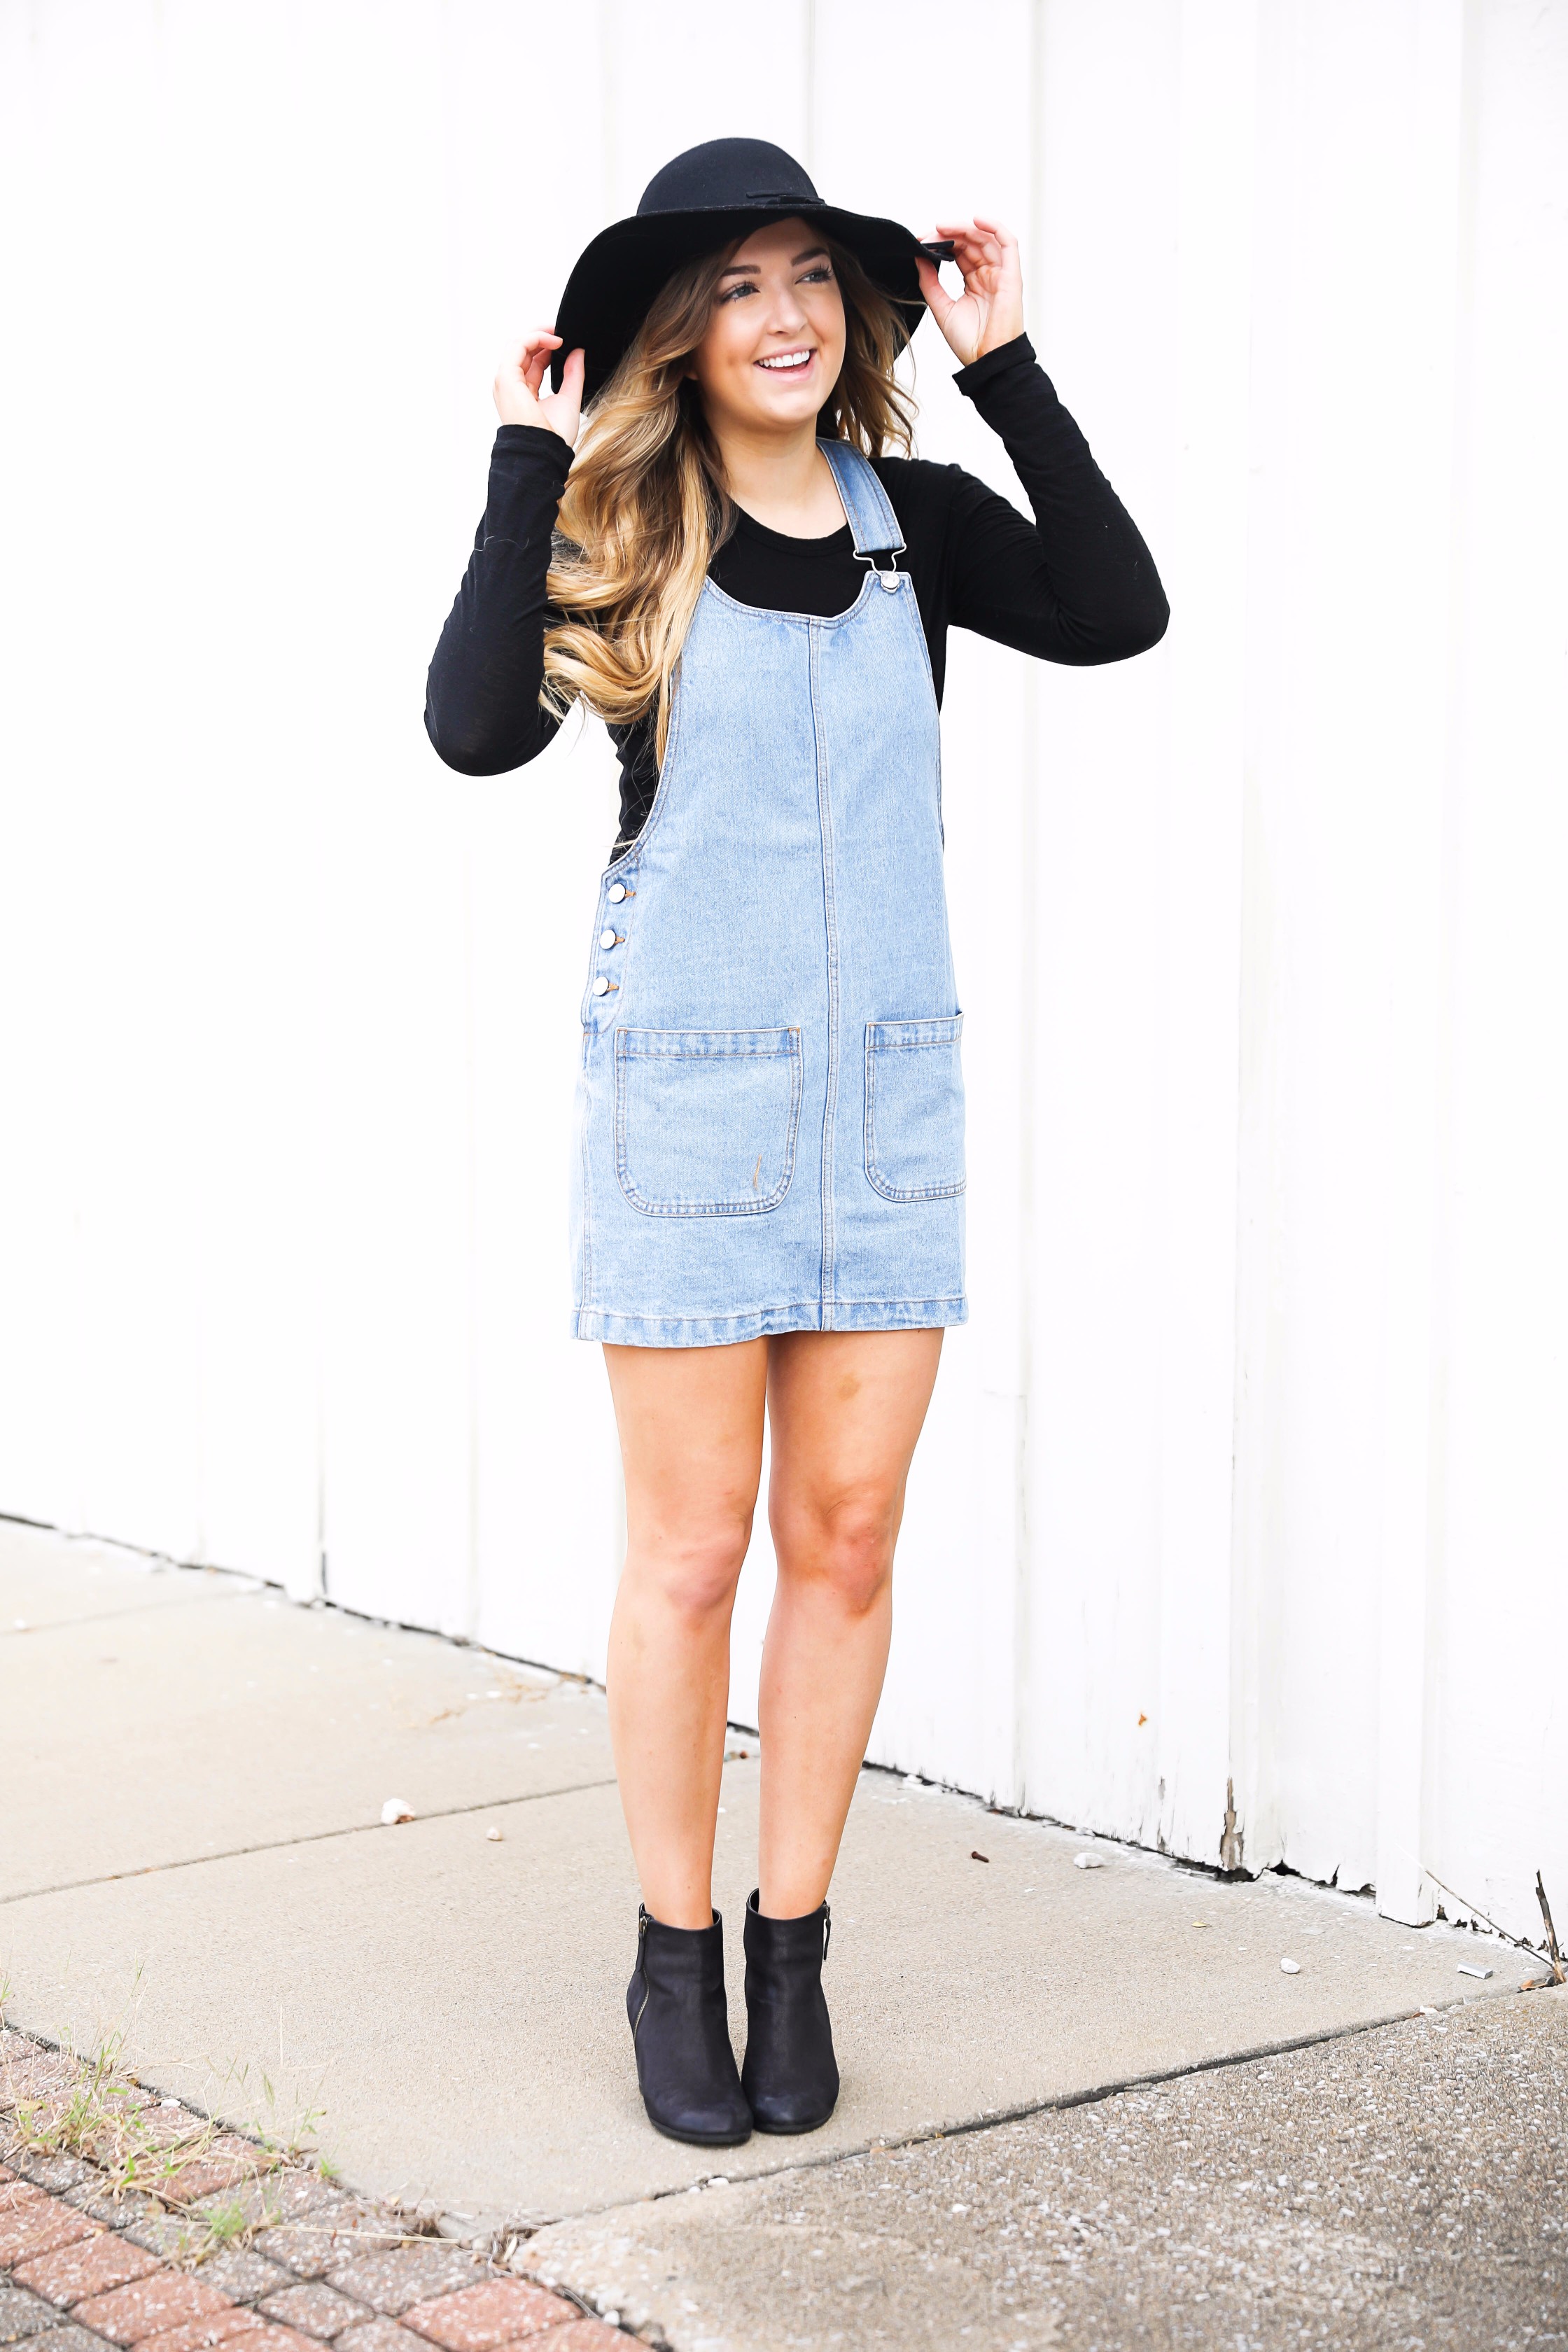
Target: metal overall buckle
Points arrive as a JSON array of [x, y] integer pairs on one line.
[[891, 578]]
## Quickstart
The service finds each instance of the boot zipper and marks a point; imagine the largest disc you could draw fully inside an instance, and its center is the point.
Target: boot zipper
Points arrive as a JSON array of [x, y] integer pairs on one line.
[[642, 1970]]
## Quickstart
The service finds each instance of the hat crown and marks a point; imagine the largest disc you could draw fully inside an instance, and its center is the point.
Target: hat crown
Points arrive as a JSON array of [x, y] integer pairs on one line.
[[728, 175]]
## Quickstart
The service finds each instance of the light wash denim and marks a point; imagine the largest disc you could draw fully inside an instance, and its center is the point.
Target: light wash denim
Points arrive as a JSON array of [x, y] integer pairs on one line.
[[771, 1107]]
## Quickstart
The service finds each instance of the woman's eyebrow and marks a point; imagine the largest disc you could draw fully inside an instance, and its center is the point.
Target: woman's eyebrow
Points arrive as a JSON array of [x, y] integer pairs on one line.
[[750, 268]]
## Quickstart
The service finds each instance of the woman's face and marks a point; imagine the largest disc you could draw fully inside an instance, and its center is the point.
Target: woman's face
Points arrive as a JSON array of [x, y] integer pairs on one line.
[[774, 342]]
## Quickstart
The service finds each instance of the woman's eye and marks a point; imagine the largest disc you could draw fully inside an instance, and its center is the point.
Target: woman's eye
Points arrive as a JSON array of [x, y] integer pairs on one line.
[[730, 292], [820, 276]]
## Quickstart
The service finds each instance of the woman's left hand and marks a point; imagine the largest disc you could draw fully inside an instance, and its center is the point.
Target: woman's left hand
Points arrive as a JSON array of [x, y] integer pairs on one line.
[[990, 311]]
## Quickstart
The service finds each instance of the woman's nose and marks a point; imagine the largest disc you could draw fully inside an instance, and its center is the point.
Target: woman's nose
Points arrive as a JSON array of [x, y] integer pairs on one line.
[[786, 316]]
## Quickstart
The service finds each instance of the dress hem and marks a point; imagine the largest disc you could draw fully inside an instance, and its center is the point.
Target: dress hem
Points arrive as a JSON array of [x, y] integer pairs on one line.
[[765, 1322]]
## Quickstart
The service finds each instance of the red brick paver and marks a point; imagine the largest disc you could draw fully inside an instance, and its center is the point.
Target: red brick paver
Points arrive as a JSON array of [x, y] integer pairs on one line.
[[198, 2333], [216, 2168], [92, 2266], [150, 2307], [269, 2338], [225, 2327], [481, 2318], [32, 2224]]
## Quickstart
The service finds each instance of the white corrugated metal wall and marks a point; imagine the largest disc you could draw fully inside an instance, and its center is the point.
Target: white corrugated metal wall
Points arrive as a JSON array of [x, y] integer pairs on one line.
[[1247, 1472]]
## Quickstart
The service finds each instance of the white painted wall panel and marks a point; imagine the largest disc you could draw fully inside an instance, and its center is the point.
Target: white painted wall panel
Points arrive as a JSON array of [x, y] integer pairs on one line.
[[1246, 1472]]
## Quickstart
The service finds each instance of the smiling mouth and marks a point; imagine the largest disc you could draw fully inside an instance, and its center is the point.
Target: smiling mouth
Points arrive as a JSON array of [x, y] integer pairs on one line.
[[788, 362]]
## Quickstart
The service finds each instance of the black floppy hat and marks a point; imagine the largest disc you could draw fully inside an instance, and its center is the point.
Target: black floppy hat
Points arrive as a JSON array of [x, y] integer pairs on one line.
[[704, 200]]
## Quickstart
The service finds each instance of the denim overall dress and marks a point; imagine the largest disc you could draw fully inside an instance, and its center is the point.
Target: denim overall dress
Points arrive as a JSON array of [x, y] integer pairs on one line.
[[770, 1112]]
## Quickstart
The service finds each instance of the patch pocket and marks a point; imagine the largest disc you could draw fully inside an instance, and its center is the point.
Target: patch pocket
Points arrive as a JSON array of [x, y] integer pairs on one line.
[[706, 1120], [914, 1108]]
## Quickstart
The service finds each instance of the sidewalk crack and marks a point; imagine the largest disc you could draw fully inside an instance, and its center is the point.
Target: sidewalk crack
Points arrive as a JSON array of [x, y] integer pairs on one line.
[[311, 1837]]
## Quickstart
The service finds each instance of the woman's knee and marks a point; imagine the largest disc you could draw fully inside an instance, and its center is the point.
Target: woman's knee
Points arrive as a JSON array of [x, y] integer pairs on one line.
[[844, 1546], [693, 1571]]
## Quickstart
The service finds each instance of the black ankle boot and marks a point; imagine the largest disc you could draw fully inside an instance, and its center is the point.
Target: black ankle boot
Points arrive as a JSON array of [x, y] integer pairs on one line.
[[680, 2027], [790, 2076]]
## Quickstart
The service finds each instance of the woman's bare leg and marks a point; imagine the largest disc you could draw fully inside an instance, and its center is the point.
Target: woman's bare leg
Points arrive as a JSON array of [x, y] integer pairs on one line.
[[690, 1421], [845, 1408]]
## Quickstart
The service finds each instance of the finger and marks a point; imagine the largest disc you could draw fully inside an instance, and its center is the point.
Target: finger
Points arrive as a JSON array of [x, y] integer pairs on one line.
[[1001, 247], [979, 231], [541, 341], [521, 359], [938, 302], [533, 369], [973, 252]]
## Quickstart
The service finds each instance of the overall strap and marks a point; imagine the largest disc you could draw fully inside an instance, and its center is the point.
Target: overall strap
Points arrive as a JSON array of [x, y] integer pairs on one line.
[[872, 522]]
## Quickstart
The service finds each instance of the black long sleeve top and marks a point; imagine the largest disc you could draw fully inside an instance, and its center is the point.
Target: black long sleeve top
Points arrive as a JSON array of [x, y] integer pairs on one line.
[[1076, 584]]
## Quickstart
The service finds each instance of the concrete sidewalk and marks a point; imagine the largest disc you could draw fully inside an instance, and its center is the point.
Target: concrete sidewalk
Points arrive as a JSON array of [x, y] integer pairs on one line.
[[194, 1858]]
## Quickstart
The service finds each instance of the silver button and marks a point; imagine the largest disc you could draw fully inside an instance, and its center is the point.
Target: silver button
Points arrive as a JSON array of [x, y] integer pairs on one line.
[[609, 938], [601, 986], [616, 893]]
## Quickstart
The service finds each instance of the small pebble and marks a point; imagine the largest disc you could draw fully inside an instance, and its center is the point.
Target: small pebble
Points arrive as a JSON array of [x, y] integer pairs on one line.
[[397, 1809], [1466, 1969], [1290, 1968], [1087, 1862], [494, 1836]]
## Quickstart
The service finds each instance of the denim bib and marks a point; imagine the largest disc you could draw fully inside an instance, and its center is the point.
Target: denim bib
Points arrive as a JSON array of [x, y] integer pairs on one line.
[[770, 1112]]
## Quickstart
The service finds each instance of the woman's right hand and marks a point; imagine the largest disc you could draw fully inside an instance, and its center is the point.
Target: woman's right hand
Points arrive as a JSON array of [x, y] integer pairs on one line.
[[518, 399]]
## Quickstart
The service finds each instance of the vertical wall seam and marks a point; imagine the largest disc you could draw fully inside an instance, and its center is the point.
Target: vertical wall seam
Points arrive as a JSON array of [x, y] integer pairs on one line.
[[1028, 996]]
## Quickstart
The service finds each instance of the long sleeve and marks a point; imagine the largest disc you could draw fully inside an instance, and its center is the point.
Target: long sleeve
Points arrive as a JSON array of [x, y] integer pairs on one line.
[[481, 701], [1078, 585]]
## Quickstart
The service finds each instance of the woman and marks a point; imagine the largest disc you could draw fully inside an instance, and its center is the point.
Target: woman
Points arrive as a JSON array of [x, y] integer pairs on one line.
[[769, 1176]]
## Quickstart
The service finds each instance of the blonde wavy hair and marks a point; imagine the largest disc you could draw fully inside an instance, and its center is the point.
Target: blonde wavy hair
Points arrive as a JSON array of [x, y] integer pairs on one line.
[[645, 506]]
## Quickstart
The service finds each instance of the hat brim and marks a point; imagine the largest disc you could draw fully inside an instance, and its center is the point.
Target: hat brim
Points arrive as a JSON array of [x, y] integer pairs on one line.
[[617, 278]]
